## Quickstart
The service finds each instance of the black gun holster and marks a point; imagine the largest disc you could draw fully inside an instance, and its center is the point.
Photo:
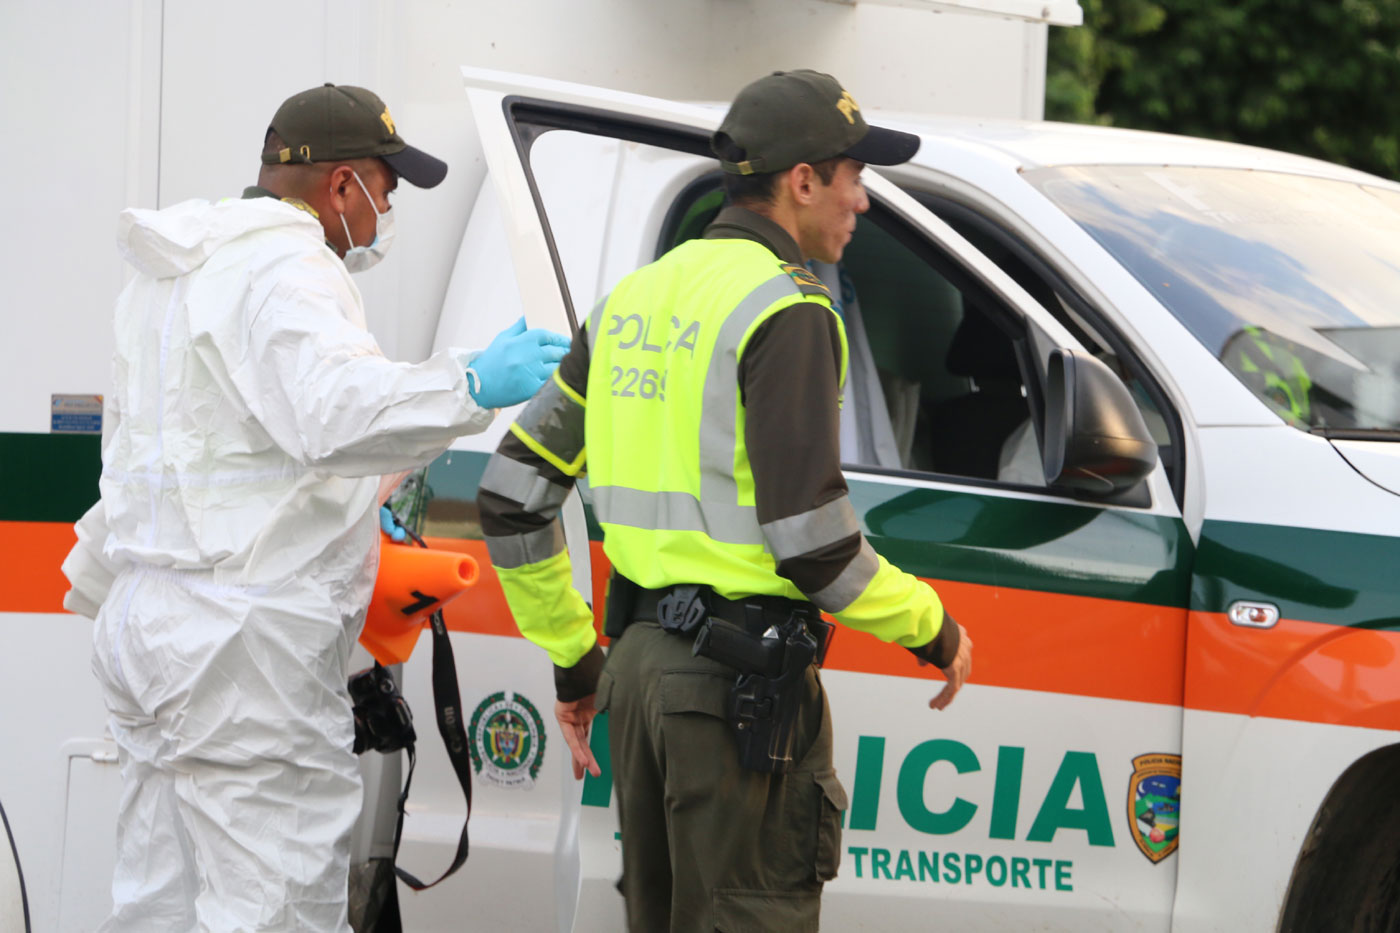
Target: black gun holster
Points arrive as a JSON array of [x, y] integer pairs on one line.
[[765, 700]]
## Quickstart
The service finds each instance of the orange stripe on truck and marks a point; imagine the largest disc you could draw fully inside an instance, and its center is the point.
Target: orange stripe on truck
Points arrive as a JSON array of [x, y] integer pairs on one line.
[[1032, 640], [1307, 671], [1025, 639], [31, 578]]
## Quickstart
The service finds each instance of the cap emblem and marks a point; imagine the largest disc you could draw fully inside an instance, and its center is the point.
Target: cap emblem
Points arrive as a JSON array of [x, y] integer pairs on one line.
[[388, 121], [847, 105]]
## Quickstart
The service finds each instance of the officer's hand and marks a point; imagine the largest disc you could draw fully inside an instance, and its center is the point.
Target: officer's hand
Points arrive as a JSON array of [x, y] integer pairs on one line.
[[574, 718], [516, 364], [957, 672], [389, 526]]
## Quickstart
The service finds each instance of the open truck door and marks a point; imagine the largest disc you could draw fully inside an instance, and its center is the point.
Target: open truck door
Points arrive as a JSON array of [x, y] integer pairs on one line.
[[522, 871], [1016, 807]]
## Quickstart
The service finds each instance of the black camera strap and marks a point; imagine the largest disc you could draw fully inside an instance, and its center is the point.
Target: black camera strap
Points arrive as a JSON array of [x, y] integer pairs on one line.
[[447, 697]]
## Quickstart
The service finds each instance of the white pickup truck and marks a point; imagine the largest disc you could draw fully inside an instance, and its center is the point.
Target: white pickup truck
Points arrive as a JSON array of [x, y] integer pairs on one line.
[[1184, 705]]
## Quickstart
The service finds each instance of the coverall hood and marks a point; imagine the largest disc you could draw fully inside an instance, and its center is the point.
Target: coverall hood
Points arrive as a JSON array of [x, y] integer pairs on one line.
[[179, 239]]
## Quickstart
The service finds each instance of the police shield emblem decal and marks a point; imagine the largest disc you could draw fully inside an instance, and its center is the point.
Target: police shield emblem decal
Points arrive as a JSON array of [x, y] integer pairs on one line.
[[1154, 804], [507, 740]]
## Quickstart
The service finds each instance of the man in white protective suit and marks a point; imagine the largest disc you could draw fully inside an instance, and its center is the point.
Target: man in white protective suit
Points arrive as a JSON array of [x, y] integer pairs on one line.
[[228, 564]]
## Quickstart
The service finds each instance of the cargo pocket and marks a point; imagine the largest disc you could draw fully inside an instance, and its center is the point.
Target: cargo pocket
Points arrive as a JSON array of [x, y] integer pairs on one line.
[[740, 911], [833, 804], [695, 738]]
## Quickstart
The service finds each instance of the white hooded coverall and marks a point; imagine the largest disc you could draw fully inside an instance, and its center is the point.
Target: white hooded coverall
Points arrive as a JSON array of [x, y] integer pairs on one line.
[[231, 556]]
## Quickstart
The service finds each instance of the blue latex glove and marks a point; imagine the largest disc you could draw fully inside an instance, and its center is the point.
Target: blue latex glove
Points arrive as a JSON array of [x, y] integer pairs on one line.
[[389, 526], [515, 365]]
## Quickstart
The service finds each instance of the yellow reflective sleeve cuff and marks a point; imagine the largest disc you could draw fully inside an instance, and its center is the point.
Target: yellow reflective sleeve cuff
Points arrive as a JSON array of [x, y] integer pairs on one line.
[[547, 608], [897, 607], [564, 387], [568, 469]]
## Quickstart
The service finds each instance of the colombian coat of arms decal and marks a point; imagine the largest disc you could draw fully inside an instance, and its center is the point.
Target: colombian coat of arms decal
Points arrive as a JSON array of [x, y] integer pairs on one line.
[[507, 740], [1154, 804]]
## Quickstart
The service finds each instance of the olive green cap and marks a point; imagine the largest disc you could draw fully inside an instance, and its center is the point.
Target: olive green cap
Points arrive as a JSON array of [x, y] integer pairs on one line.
[[802, 116], [336, 123]]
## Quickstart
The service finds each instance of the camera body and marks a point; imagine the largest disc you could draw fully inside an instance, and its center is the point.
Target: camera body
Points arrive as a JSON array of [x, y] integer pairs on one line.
[[383, 722]]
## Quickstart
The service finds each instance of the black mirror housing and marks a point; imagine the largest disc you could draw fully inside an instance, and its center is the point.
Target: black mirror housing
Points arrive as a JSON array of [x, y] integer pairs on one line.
[[1095, 439]]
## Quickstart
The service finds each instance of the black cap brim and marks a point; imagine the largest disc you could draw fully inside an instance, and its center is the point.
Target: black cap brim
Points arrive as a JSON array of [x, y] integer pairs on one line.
[[881, 146], [417, 167]]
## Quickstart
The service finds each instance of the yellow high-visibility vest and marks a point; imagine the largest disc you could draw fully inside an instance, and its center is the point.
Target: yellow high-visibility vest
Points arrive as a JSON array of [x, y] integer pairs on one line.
[[670, 476]]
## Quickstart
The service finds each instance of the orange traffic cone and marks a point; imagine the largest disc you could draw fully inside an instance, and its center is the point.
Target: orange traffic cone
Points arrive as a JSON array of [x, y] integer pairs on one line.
[[413, 583]]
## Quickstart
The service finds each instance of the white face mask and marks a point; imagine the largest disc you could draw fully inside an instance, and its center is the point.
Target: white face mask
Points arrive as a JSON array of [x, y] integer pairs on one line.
[[360, 258]]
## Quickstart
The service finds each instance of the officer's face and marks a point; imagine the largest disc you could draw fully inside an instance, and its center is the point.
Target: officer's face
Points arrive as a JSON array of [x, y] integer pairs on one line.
[[830, 219], [360, 215]]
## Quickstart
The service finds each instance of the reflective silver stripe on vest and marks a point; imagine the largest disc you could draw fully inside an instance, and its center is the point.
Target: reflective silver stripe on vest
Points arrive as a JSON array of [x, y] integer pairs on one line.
[[520, 482], [511, 551], [676, 511], [813, 529], [718, 440], [850, 583], [556, 421], [595, 321]]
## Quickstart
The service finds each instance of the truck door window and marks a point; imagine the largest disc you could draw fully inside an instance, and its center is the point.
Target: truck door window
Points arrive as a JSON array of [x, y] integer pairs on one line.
[[943, 376], [604, 198], [938, 373], [575, 173], [1041, 282], [936, 377]]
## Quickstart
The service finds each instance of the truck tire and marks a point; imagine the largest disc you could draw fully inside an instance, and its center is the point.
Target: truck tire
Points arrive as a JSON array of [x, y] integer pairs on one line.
[[1347, 878]]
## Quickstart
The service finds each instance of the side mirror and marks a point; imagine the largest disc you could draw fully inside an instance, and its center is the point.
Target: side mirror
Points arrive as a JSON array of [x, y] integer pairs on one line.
[[1095, 439]]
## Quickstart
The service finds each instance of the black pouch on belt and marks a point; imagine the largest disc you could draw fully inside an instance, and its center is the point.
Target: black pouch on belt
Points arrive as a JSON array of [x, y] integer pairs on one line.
[[765, 701], [617, 610]]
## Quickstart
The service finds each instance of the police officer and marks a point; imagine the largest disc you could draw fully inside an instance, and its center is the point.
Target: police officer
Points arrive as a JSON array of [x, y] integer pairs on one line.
[[706, 391]]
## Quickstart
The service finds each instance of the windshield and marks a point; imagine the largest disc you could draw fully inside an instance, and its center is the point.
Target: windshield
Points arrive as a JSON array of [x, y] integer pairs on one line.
[[1292, 282]]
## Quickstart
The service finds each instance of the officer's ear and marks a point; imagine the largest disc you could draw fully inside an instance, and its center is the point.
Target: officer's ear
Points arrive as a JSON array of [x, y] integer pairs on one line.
[[340, 180], [800, 182]]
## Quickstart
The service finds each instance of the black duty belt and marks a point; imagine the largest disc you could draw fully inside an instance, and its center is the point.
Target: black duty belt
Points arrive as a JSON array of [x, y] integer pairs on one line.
[[681, 608]]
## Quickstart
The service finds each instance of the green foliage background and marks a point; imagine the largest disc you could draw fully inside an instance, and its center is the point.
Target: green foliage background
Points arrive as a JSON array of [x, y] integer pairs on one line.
[[1317, 77]]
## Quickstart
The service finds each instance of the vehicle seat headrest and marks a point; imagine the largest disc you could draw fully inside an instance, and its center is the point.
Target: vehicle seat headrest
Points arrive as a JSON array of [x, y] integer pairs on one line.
[[981, 350]]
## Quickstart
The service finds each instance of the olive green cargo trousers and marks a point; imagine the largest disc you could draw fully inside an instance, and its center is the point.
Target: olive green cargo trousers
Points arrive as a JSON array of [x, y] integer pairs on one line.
[[707, 845]]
